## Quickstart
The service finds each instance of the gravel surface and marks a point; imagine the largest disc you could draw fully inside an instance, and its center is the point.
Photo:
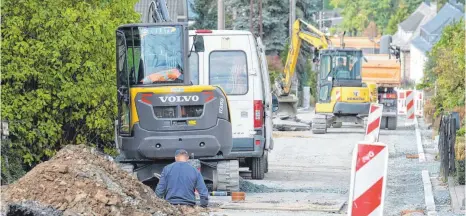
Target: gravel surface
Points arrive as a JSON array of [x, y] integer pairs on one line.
[[426, 134], [250, 187], [440, 189], [405, 190], [320, 164]]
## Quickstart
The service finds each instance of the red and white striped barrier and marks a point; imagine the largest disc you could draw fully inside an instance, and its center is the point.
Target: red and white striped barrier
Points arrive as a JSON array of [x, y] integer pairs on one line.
[[373, 123], [401, 102], [368, 179], [410, 104], [419, 111]]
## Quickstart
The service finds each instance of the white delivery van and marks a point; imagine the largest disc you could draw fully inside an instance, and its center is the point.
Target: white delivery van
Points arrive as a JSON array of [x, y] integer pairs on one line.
[[235, 61]]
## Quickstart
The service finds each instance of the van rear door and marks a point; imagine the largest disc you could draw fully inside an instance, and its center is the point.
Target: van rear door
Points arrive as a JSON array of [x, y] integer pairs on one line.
[[266, 88], [228, 59]]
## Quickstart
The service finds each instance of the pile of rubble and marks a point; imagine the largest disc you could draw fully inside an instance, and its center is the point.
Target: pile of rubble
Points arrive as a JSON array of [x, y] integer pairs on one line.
[[290, 124], [81, 181]]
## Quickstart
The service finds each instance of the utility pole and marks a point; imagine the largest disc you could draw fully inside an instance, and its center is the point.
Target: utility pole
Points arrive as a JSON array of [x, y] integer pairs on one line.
[[260, 19], [220, 15], [251, 12], [320, 20], [292, 15]]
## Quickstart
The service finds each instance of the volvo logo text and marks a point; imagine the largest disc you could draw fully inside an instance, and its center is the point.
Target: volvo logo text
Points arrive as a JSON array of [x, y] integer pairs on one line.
[[173, 99]]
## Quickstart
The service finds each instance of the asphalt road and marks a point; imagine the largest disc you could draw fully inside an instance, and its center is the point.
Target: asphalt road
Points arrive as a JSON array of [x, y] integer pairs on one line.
[[309, 174]]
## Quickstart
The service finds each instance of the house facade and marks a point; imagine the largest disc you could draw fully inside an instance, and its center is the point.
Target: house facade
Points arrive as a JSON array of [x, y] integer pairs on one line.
[[407, 31], [430, 34]]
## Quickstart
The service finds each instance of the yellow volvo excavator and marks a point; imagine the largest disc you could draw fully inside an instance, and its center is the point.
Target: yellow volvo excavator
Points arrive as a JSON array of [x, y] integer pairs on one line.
[[160, 111], [342, 96]]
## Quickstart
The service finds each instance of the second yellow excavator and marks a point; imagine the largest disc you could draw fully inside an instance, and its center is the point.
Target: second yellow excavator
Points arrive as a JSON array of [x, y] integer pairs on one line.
[[341, 94]]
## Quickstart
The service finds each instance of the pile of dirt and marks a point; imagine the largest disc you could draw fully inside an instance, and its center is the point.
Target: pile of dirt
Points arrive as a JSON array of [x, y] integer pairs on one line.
[[81, 181]]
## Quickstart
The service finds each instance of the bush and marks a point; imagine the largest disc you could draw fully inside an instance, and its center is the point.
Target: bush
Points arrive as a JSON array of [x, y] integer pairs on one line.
[[275, 67], [460, 167], [59, 82], [429, 110]]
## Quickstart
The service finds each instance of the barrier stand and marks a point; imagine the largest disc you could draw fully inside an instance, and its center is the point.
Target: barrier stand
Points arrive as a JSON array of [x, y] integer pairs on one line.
[[419, 103], [373, 123], [401, 102], [410, 107], [368, 179]]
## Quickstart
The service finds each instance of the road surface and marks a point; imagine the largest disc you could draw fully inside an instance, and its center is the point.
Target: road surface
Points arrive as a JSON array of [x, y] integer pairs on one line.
[[309, 174]]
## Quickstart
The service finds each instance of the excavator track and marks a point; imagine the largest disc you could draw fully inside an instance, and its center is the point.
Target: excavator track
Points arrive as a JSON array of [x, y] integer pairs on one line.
[[319, 124], [227, 178]]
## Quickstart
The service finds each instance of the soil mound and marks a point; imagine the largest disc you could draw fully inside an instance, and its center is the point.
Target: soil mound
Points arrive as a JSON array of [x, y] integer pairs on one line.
[[78, 180]]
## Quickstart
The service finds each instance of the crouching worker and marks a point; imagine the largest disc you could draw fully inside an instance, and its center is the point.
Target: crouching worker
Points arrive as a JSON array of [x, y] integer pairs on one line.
[[179, 180]]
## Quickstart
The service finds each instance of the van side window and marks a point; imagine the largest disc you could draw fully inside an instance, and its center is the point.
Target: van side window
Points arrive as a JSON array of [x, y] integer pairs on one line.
[[228, 69], [194, 68]]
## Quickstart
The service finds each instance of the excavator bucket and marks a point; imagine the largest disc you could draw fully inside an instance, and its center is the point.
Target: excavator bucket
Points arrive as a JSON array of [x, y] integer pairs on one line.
[[287, 106]]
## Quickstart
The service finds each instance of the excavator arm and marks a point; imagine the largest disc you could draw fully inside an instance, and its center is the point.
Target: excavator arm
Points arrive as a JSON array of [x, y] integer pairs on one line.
[[301, 31], [308, 33]]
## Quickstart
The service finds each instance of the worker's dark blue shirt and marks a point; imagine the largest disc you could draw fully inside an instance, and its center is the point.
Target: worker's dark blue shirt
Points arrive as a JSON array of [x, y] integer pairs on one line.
[[177, 183]]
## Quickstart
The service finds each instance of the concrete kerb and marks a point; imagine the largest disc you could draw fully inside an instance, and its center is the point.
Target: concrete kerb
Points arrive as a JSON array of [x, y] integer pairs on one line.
[[428, 194], [420, 148]]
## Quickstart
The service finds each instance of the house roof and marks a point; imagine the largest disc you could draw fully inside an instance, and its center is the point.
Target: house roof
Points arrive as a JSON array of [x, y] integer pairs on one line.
[[421, 44], [445, 16], [410, 28], [412, 22], [432, 30]]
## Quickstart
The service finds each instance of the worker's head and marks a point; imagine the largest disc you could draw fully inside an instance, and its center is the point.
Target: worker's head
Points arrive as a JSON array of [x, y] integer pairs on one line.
[[181, 155], [341, 61]]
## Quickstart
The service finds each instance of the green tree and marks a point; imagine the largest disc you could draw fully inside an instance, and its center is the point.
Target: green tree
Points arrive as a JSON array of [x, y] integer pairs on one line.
[[441, 3], [357, 14], [400, 15], [274, 20], [59, 82], [445, 68], [307, 8], [206, 14], [405, 9]]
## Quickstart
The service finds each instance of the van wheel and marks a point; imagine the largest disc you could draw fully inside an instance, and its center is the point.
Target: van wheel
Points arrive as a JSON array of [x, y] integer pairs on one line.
[[258, 168]]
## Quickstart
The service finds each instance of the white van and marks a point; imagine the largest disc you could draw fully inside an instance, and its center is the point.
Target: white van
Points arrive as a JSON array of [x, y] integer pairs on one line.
[[235, 61]]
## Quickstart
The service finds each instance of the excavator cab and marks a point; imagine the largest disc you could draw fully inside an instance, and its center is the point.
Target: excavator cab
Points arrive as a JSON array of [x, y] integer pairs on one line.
[[342, 96], [342, 67]]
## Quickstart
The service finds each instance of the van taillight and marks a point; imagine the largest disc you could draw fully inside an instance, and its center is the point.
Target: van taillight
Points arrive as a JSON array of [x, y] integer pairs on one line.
[[258, 110]]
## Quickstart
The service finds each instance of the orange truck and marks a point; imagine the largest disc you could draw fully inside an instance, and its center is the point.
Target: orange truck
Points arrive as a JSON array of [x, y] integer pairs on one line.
[[385, 73]]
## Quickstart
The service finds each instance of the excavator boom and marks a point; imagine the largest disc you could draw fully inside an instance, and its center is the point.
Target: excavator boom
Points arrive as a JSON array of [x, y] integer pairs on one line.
[[308, 33], [301, 31]]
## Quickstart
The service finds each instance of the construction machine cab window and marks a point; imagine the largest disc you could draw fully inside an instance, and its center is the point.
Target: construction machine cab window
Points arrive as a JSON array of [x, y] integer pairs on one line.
[[155, 54], [341, 65]]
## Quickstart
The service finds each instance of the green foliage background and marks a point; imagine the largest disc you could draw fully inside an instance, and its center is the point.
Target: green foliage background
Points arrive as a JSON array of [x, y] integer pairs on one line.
[[58, 77], [206, 11], [445, 68], [387, 14]]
